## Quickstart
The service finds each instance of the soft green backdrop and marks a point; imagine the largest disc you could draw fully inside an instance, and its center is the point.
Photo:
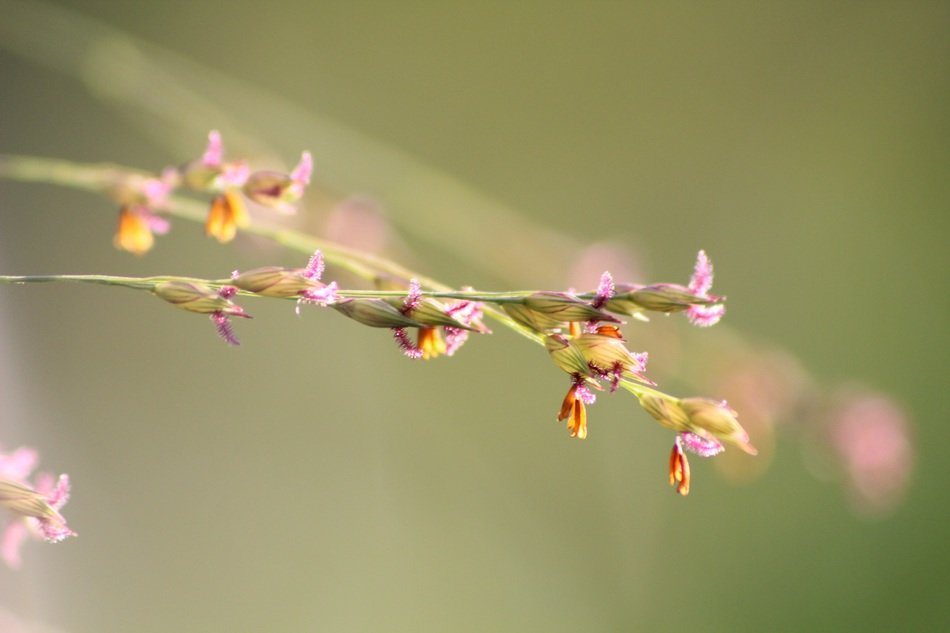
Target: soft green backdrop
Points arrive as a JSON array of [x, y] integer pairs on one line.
[[314, 479]]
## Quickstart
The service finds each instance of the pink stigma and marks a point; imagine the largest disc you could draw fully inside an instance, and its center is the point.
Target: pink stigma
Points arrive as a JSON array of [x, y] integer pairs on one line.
[[705, 316], [213, 154], [605, 290], [701, 281], [699, 445], [405, 343], [315, 267], [324, 296], [582, 392], [414, 297], [223, 325], [303, 170]]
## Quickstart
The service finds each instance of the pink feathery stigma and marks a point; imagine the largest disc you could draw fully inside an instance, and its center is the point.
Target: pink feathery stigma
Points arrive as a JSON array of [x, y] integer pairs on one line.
[[315, 267], [469, 312], [455, 337], [55, 529], [638, 366], [465, 312], [55, 490], [303, 170], [705, 316], [223, 325], [700, 284], [324, 296], [699, 445], [226, 292], [584, 394], [412, 300], [638, 363], [214, 153], [405, 343], [605, 290], [701, 281]]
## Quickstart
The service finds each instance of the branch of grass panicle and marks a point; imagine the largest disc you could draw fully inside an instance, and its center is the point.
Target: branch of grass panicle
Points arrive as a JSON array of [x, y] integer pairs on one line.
[[148, 283], [100, 178]]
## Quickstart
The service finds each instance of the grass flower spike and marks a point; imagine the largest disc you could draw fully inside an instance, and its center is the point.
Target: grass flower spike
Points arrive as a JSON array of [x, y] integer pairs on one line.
[[702, 309], [196, 297], [34, 507], [279, 191]]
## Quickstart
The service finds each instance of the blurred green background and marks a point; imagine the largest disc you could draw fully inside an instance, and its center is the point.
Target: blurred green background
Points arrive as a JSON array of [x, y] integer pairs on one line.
[[314, 479]]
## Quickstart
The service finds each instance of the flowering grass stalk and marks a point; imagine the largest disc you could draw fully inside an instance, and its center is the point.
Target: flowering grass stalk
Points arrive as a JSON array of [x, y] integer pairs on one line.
[[581, 331]]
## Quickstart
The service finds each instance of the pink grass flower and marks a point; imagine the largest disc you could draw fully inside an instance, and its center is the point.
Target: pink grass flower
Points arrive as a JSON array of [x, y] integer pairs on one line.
[[221, 318], [278, 190], [325, 294], [35, 507], [574, 406], [409, 347], [140, 198], [212, 173], [468, 313], [679, 465], [203, 299]]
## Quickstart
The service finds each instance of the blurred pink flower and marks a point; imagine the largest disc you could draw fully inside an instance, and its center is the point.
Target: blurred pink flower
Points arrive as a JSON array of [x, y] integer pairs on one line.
[[872, 438], [140, 197], [223, 175]]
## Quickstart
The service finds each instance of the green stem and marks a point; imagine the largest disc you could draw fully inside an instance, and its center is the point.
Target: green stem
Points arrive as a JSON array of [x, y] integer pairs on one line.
[[136, 283]]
